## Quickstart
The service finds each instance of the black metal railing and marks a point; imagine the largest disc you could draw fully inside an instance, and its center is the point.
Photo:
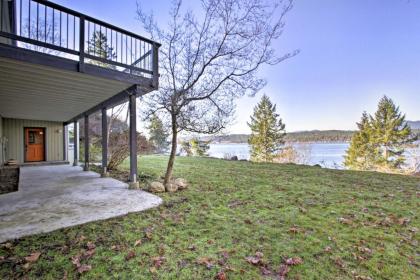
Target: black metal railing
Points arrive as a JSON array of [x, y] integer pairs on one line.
[[50, 28]]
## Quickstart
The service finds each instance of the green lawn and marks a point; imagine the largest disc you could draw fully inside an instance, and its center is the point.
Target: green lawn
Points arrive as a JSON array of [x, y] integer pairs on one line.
[[341, 224]]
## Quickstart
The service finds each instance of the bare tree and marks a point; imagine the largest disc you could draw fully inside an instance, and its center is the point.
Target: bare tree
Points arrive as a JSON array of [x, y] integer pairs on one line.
[[209, 61], [45, 31]]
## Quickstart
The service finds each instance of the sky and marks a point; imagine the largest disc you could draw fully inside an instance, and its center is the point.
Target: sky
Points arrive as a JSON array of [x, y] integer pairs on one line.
[[352, 52]]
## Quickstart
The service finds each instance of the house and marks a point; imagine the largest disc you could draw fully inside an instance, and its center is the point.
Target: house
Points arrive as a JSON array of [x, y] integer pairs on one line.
[[58, 66]]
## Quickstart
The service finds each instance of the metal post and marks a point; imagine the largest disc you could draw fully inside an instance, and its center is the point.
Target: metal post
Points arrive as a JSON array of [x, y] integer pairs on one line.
[[86, 166], [76, 143], [133, 184], [81, 44], [65, 142], [155, 66], [104, 143]]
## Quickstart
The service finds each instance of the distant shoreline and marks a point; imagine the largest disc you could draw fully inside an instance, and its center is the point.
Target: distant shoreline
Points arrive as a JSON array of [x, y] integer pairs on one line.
[[288, 142]]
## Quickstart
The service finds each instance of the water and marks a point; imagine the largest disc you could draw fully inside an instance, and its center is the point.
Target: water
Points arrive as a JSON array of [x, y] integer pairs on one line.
[[329, 155]]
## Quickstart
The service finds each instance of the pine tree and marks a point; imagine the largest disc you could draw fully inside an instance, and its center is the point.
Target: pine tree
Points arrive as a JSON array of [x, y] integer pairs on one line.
[[158, 134], [390, 133], [359, 154], [98, 46], [380, 141], [267, 131]]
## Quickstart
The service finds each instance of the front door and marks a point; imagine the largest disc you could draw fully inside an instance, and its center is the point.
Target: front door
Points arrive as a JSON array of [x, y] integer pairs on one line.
[[34, 144]]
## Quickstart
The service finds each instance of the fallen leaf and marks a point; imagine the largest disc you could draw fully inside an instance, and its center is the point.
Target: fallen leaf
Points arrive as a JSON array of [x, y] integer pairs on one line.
[[255, 260], [153, 269], [339, 262], [327, 249], [65, 249], [148, 233], [414, 229], [294, 229], [345, 221], [205, 261], [26, 266], [33, 257], [265, 271], [259, 254], [130, 255], [403, 221], [386, 222], [80, 239], [7, 245], [161, 249], [364, 250], [224, 254], [76, 260], [294, 261], [90, 245], [89, 253], [137, 243], [284, 269], [84, 268], [157, 261], [221, 275]]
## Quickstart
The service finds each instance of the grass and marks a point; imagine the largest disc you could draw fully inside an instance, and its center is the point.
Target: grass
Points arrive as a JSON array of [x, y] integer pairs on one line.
[[342, 224]]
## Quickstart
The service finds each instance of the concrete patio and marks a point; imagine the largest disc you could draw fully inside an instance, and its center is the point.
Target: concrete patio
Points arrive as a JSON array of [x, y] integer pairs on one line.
[[54, 197]]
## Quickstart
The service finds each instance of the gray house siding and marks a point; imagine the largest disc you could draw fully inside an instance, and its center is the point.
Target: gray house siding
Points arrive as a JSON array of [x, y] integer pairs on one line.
[[13, 130], [1, 141]]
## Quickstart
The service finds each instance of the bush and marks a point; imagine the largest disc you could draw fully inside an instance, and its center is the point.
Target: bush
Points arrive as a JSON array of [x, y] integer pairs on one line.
[[119, 149]]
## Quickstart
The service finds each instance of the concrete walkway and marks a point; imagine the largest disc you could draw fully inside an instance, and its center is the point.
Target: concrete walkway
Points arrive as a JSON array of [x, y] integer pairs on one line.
[[53, 197]]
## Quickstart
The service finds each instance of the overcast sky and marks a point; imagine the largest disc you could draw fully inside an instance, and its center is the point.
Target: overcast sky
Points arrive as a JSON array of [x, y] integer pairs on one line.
[[352, 53]]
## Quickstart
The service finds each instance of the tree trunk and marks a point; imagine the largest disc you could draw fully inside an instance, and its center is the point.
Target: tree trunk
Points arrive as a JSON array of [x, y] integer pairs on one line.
[[171, 161]]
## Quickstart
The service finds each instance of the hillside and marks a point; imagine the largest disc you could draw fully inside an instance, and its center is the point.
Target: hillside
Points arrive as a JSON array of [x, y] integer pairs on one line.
[[303, 136], [414, 124], [241, 220]]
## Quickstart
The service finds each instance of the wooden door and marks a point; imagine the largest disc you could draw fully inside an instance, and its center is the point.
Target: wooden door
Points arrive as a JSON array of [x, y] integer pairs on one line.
[[34, 144]]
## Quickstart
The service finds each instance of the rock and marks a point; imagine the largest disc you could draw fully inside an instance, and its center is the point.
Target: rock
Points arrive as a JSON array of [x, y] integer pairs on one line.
[[170, 187], [157, 187], [234, 158], [181, 183]]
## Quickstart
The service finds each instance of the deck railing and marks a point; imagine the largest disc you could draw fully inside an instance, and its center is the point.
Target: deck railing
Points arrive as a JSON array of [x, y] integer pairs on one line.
[[50, 28]]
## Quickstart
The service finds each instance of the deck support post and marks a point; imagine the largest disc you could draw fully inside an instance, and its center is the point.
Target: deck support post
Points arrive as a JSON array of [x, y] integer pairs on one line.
[[86, 166], [76, 143], [104, 143], [65, 142], [133, 184]]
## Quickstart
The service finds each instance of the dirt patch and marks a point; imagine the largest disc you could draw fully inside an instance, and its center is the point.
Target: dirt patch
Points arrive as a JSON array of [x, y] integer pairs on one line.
[[9, 179]]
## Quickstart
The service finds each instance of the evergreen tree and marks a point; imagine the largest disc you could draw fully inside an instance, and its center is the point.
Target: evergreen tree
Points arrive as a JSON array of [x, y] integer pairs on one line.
[[390, 134], [379, 144], [98, 47], [267, 131], [359, 154], [195, 147], [158, 134], [199, 148]]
